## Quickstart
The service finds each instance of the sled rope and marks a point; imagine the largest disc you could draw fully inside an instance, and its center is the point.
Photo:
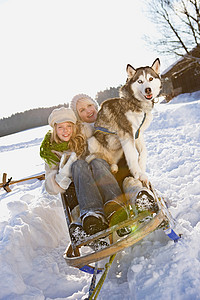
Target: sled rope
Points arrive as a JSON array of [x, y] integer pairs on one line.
[[99, 285]]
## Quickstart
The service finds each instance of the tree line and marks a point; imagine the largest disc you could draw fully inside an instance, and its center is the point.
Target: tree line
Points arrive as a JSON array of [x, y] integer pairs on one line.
[[26, 120], [39, 116]]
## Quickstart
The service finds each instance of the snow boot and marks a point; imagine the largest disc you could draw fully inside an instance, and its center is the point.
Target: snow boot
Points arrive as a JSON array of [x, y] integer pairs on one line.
[[77, 233], [145, 201], [124, 231], [99, 244], [94, 222], [117, 213]]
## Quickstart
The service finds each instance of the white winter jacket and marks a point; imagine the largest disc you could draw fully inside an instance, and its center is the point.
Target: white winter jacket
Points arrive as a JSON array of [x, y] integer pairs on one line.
[[50, 172]]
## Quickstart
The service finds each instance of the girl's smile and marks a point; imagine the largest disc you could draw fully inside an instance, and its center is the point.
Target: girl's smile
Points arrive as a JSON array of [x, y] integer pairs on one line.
[[64, 131]]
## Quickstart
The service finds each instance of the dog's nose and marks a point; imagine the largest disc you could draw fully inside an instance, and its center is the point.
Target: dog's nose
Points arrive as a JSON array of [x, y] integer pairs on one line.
[[148, 90]]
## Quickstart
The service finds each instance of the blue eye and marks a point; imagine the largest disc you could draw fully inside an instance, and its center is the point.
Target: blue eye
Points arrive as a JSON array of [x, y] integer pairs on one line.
[[140, 81]]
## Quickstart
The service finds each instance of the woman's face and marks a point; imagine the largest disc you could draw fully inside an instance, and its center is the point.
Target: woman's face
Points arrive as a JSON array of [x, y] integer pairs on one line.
[[64, 131], [86, 111]]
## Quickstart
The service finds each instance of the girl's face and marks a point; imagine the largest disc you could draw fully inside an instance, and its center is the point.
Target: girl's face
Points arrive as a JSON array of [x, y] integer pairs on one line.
[[86, 111], [64, 131]]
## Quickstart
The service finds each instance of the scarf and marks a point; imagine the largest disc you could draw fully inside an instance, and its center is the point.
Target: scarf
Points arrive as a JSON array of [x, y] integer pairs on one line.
[[46, 149]]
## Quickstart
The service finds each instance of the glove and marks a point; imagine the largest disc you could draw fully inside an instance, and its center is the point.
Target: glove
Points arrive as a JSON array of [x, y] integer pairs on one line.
[[64, 174]]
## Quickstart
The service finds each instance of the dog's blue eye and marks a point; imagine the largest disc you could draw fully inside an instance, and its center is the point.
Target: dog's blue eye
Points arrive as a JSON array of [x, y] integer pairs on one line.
[[140, 81]]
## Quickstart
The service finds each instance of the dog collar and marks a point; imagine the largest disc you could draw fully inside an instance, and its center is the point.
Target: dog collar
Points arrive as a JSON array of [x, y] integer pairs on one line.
[[102, 129], [138, 131], [105, 130]]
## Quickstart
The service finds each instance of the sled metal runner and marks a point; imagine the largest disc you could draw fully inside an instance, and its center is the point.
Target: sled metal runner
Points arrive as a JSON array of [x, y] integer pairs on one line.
[[139, 232]]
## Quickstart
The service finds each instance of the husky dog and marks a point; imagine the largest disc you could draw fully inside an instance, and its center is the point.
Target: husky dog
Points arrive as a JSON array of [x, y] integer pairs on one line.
[[121, 121]]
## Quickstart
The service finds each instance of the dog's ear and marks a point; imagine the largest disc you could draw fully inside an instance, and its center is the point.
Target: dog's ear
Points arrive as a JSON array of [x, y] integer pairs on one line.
[[156, 65], [130, 71]]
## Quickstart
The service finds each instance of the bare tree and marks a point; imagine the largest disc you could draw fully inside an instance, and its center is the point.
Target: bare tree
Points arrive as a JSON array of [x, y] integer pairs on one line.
[[178, 24]]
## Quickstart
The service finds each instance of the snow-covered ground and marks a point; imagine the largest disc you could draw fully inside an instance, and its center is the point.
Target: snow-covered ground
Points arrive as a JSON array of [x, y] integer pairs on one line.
[[33, 232]]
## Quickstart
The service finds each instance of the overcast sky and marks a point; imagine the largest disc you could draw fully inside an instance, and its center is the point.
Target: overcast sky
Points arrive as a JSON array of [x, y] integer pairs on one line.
[[51, 50]]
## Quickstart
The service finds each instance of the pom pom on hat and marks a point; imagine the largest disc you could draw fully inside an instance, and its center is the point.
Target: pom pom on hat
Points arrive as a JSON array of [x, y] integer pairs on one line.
[[60, 115], [78, 97]]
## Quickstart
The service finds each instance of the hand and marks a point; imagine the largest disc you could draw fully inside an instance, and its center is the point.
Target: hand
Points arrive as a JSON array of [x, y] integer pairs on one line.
[[66, 162], [64, 174]]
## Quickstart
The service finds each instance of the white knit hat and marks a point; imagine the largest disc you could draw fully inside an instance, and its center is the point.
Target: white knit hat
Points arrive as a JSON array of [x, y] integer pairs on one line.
[[78, 97], [60, 115]]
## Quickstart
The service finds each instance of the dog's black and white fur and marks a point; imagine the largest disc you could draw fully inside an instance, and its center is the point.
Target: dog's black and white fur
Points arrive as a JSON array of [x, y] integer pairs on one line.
[[121, 121]]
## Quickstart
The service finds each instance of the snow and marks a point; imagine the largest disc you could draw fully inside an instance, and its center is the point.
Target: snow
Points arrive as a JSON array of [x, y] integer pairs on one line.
[[34, 235]]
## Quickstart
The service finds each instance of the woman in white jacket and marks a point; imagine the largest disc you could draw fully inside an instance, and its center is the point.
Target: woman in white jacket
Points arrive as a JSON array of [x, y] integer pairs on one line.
[[97, 191]]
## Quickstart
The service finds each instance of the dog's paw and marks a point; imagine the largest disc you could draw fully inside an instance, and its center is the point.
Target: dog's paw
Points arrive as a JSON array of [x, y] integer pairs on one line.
[[136, 175], [140, 176], [114, 168], [144, 178]]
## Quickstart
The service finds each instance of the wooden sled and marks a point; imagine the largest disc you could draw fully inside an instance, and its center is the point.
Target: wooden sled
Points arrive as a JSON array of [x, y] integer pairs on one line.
[[141, 227]]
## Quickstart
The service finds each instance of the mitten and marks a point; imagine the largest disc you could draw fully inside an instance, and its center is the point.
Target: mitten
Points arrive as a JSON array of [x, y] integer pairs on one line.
[[64, 174]]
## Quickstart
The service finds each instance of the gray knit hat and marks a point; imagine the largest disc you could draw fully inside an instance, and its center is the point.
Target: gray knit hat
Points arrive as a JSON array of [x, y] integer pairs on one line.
[[60, 115], [78, 97]]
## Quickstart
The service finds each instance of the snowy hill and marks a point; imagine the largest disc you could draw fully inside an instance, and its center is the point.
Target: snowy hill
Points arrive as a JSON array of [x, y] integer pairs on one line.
[[33, 232]]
